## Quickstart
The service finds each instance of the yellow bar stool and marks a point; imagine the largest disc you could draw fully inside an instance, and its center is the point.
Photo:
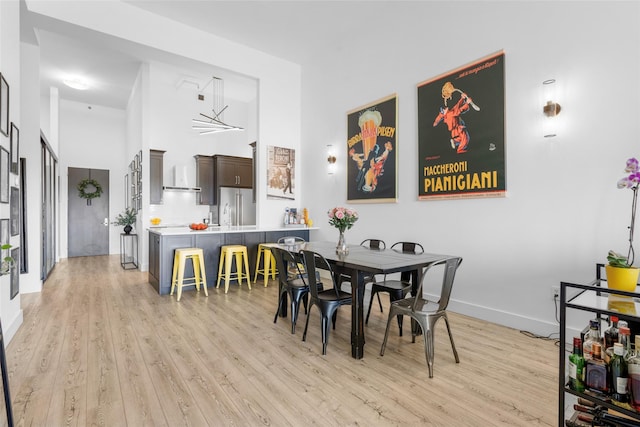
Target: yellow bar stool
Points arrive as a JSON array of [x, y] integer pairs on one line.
[[196, 255], [268, 263], [228, 253]]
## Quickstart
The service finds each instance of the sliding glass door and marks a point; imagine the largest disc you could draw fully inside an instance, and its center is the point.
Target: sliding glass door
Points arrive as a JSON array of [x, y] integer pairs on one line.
[[49, 173]]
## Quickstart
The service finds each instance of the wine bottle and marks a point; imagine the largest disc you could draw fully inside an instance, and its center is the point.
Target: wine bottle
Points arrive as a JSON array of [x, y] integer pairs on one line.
[[576, 366], [619, 375], [611, 334]]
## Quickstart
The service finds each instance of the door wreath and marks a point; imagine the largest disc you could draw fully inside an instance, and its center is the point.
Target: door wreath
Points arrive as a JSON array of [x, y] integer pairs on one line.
[[87, 184]]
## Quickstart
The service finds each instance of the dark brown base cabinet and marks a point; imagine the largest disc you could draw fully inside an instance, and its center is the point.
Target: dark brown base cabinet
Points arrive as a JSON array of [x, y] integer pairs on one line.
[[162, 247]]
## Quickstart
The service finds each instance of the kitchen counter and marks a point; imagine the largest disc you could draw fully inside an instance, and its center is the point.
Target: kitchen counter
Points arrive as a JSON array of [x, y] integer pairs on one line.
[[164, 240], [218, 229]]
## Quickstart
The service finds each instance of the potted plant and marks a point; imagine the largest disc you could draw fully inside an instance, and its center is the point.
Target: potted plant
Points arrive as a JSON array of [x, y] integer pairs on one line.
[[7, 262], [126, 218], [621, 274]]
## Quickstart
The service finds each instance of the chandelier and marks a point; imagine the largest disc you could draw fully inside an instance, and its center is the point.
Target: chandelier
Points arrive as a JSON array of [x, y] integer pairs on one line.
[[215, 120]]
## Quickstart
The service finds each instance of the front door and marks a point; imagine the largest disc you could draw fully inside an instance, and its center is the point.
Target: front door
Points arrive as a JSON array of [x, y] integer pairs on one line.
[[88, 226]]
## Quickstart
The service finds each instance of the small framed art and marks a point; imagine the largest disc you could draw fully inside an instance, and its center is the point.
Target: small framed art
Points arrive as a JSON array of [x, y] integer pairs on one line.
[[15, 148], [4, 175], [15, 272], [4, 106], [14, 208]]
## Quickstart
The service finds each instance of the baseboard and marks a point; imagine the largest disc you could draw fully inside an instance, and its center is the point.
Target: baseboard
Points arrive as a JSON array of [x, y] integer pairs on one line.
[[505, 318], [10, 329]]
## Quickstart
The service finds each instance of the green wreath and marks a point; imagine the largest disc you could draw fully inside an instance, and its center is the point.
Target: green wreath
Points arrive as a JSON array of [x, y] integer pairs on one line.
[[82, 186]]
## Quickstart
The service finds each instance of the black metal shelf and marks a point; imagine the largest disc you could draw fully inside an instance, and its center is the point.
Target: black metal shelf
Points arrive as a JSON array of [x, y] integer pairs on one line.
[[596, 298]]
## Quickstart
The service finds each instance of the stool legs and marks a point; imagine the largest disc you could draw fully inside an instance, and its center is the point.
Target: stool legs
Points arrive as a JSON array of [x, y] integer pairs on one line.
[[199, 275], [228, 254]]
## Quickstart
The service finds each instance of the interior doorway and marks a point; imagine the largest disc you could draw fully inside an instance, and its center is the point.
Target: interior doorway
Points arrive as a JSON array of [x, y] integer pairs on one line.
[[88, 215]]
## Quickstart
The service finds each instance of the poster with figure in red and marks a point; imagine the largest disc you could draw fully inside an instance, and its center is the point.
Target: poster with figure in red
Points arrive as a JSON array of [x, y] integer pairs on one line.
[[371, 150], [461, 143]]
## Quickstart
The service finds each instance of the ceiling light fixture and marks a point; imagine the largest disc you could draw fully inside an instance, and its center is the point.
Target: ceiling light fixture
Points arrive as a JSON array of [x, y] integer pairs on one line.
[[76, 83], [214, 122]]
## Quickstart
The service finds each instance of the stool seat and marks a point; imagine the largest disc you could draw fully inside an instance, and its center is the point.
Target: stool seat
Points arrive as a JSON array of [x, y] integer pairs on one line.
[[227, 254], [196, 255], [268, 263]]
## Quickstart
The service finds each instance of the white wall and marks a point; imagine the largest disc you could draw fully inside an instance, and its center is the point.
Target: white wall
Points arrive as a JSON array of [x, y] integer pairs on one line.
[[93, 138], [563, 211], [30, 149], [10, 69]]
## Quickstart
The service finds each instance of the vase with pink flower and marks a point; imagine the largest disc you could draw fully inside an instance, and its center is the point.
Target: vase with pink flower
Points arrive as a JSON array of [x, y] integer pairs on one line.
[[343, 219]]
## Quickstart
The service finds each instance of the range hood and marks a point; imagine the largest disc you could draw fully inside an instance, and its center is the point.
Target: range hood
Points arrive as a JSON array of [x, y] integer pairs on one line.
[[181, 181]]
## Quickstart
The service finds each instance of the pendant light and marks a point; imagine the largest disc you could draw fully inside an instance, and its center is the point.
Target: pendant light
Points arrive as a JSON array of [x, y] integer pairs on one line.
[[213, 122]]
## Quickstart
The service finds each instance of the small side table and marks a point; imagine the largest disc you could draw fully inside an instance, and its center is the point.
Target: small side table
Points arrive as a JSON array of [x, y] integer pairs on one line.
[[129, 251]]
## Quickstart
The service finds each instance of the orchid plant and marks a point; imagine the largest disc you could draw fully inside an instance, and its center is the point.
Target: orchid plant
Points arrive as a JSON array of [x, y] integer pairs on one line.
[[631, 181], [342, 218]]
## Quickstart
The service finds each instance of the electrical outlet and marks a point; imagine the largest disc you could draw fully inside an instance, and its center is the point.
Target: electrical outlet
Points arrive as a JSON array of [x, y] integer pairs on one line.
[[555, 292]]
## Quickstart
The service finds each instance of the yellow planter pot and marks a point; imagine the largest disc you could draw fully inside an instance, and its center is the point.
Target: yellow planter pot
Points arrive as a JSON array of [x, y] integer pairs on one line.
[[622, 279]]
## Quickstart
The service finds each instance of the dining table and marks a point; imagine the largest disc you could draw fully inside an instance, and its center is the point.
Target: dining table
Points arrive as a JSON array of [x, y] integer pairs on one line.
[[361, 262]]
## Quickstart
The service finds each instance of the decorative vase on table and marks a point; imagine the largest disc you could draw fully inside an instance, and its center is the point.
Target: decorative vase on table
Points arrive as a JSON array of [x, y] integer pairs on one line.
[[127, 229], [343, 219], [342, 248]]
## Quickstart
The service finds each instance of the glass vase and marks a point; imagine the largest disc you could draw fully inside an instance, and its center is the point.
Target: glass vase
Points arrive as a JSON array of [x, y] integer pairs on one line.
[[341, 248]]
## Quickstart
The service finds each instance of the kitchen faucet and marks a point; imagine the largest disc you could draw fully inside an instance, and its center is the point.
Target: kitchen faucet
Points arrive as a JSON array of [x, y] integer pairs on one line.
[[226, 213]]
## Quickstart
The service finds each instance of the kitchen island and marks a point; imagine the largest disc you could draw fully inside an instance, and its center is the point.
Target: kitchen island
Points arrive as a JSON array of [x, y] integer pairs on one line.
[[163, 241]]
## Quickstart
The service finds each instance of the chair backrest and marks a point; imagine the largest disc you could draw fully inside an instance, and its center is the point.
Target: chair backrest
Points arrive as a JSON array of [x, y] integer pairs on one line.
[[450, 267], [314, 262], [408, 247], [285, 262], [374, 244], [292, 243]]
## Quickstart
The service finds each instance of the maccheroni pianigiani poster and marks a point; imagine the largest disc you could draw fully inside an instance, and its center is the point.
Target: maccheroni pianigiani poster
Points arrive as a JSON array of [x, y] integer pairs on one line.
[[461, 143]]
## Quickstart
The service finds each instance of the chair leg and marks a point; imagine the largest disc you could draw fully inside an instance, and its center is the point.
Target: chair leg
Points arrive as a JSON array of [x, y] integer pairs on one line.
[[386, 332], [428, 350], [280, 301], [366, 322], [453, 346], [306, 325], [294, 313], [325, 334], [379, 302]]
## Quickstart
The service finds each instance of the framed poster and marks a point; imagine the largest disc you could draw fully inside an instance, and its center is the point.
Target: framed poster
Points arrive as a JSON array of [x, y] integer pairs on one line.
[[372, 147], [15, 148], [15, 272], [281, 176], [4, 237], [4, 175], [14, 208], [461, 143], [4, 106]]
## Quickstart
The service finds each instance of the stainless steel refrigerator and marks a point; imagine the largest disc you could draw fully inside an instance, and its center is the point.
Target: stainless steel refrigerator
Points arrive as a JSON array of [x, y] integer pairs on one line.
[[236, 206]]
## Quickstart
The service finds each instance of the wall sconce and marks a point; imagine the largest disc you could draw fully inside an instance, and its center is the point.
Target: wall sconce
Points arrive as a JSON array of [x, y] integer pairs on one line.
[[551, 109], [331, 160]]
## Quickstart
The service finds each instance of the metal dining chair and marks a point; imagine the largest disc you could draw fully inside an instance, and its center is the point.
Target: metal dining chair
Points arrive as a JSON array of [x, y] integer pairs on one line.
[[397, 289], [427, 312], [328, 301], [292, 287]]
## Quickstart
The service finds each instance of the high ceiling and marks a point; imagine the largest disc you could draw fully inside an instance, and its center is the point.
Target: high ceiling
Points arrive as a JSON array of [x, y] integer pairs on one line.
[[294, 30]]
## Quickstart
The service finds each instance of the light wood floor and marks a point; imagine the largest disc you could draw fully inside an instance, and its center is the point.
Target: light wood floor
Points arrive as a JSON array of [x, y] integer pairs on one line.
[[99, 346]]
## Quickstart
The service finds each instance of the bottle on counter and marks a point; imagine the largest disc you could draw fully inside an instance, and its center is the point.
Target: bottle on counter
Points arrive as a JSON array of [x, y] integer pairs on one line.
[[624, 338], [596, 371], [576, 366], [593, 337], [619, 374]]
